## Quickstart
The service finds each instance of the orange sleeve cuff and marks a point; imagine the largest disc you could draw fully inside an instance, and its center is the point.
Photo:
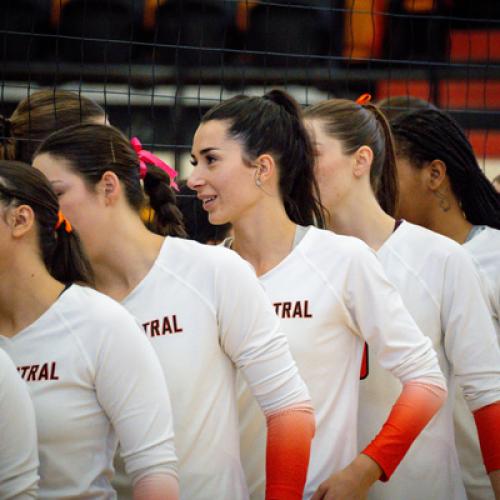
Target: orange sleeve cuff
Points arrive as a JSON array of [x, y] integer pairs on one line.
[[289, 436], [488, 427], [416, 405]]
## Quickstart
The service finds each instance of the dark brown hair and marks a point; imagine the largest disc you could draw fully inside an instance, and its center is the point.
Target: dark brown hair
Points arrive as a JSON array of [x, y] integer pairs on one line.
[[61, 251], [92, 149], [356, 125], [272, 124], [40, 114]]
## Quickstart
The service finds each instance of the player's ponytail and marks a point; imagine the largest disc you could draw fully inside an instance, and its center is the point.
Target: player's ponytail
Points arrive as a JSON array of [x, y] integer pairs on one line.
[[60, 247], [386, 183], [356, 125], [272, 124], [92, 149], [167, 218]]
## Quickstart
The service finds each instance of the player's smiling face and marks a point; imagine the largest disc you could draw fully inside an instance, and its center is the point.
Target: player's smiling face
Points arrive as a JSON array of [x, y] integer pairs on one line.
[[222, 179], [79, 204], [333, 168]]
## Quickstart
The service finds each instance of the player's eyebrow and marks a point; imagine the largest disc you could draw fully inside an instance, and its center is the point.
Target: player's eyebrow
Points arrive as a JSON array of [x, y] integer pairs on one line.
[[206, 150]]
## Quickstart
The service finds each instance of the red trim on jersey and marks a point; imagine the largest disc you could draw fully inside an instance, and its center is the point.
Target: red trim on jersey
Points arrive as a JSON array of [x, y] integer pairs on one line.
[[289, 436], [488, 427], [416, 405]]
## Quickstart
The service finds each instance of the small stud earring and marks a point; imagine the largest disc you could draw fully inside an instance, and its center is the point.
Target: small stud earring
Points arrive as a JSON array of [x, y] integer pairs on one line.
[[258, 182]]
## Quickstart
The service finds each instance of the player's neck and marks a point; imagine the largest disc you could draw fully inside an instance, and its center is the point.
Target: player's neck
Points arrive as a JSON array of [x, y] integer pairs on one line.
[[264, 237], [126, 258], [363, 218], [27, 290], [451, 223]]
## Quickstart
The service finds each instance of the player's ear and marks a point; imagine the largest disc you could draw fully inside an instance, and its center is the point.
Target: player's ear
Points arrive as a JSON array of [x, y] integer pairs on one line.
[[109, 186], [436, 174]]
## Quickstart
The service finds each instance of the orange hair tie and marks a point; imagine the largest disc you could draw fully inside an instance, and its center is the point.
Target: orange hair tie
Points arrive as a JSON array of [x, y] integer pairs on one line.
[[60, 220], [364, 99]]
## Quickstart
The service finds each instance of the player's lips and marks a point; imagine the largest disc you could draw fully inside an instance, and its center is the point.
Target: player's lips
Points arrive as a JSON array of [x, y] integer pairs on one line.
[[207, 200]]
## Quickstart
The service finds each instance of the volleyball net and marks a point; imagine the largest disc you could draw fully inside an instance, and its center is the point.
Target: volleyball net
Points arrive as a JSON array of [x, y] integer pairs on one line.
[[157, 65]]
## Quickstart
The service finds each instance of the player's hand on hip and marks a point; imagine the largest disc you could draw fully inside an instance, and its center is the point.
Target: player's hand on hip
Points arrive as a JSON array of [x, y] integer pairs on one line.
[[351, 483]]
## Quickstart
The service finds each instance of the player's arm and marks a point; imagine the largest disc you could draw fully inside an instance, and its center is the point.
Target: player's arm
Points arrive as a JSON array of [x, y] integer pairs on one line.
[[251, 337], [19, 453], [131, 388], [472, 348], [379, 315]]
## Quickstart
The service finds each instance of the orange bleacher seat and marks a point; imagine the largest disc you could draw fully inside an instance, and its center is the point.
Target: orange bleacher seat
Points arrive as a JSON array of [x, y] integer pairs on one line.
[[479, 94], [415, 88], [486, 143], [475, 45], [364, 29]]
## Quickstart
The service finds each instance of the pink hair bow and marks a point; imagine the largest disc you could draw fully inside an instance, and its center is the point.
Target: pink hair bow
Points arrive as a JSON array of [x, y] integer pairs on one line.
[[146, 156]]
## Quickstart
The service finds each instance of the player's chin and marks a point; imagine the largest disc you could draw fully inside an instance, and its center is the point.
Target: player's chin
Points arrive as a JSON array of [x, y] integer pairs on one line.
[[216, 218]]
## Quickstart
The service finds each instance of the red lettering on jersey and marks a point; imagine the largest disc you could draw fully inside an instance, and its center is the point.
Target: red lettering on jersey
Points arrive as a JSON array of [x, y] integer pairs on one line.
[[53, 375], [155, 328], [22, 371], [177, 329], [145, 326], [287, 306], [297, 309], [166, 326], [32, 373], [306, 310], [44, 372], [170, 325]]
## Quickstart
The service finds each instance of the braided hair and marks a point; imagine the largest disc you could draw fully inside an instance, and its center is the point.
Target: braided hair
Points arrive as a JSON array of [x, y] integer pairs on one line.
[[92, 149], [426, 135]]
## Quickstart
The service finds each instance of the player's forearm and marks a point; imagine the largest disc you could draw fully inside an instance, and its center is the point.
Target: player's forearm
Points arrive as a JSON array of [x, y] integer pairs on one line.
[[495, 482], [416, 405], [488, 428], [158, 486], [289, 435]]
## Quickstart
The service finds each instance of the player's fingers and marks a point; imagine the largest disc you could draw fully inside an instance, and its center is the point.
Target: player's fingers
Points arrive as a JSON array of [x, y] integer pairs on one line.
[[320, 492]]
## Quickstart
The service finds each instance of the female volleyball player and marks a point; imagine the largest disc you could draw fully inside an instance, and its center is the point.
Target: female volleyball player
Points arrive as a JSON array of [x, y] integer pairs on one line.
[[443, 189], [92, 375], [18, 448], [38, 115], [253, 167], [202, 308], [356, 172]]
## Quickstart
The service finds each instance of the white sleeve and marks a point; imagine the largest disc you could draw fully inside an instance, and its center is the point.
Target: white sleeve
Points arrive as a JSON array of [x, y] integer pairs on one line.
[[469, 333], [251, 337], [131, 388], [18, 439], [384, 322]]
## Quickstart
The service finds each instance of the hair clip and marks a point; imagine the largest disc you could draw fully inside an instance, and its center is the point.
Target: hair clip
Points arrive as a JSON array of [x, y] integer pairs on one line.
[[146, 156], [62, 220], [363, 99]]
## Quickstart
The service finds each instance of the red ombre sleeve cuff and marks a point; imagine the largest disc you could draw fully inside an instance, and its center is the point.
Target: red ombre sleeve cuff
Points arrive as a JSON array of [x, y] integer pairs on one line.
[[488, 427], [289, 436], [416, 405]]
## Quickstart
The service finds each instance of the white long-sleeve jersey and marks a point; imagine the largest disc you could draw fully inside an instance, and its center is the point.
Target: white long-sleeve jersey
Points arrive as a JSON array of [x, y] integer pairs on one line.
[[206, 315], [331, 295], [93, 379], [18, 441], [485, 251], [441, 290]]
